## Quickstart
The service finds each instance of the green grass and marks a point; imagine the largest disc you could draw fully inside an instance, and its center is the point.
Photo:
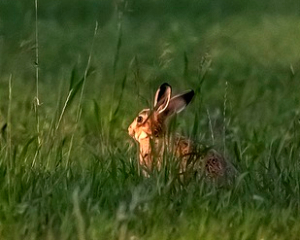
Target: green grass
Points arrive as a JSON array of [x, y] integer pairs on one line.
[[76, 175]]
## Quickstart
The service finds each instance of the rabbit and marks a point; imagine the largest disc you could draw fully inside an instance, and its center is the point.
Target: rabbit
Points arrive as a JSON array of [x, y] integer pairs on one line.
[[149, 129]]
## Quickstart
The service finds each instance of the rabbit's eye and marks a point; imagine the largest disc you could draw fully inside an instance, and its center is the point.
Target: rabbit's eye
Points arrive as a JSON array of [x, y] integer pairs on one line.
[[139, 119]]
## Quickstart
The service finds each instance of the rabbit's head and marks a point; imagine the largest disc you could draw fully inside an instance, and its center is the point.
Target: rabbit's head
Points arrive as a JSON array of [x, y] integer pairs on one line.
[[151, 123]]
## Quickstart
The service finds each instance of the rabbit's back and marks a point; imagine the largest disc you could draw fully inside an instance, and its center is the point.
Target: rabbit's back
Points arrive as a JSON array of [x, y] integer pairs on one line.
[[199, 158]]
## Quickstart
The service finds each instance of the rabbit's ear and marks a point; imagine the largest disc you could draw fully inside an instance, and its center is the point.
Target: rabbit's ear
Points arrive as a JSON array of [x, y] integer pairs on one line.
[[179, 102], [162, 98]]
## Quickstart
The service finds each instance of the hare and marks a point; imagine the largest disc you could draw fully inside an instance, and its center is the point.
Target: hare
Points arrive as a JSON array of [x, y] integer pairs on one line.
[[149, 129]]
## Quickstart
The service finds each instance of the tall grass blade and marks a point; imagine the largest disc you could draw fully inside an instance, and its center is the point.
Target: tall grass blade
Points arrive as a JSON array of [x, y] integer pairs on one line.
[[8, 132], [37, 99], [121, 96], [80, 223], [186, 65], [203, 69], [119, 41], [87, 72], [73, 78]]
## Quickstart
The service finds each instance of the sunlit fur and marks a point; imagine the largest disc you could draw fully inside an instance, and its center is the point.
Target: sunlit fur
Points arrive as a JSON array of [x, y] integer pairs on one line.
[[149, 130]]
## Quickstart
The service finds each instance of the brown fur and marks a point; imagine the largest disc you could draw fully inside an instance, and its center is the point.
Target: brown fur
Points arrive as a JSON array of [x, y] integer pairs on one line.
[[149, 130]]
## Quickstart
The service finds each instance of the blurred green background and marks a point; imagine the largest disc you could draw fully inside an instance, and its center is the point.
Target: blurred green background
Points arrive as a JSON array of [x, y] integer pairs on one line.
[[67, 166], [252, 44]]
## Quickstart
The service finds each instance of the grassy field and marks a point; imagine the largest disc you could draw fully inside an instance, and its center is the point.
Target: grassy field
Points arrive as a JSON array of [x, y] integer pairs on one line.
[[72, 81]]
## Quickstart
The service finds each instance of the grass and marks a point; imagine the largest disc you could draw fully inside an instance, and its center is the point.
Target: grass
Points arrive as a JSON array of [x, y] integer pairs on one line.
[[74, 174]]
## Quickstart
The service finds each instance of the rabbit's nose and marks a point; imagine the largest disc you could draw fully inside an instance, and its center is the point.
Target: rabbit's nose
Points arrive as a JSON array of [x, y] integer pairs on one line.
[[130, 131]]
